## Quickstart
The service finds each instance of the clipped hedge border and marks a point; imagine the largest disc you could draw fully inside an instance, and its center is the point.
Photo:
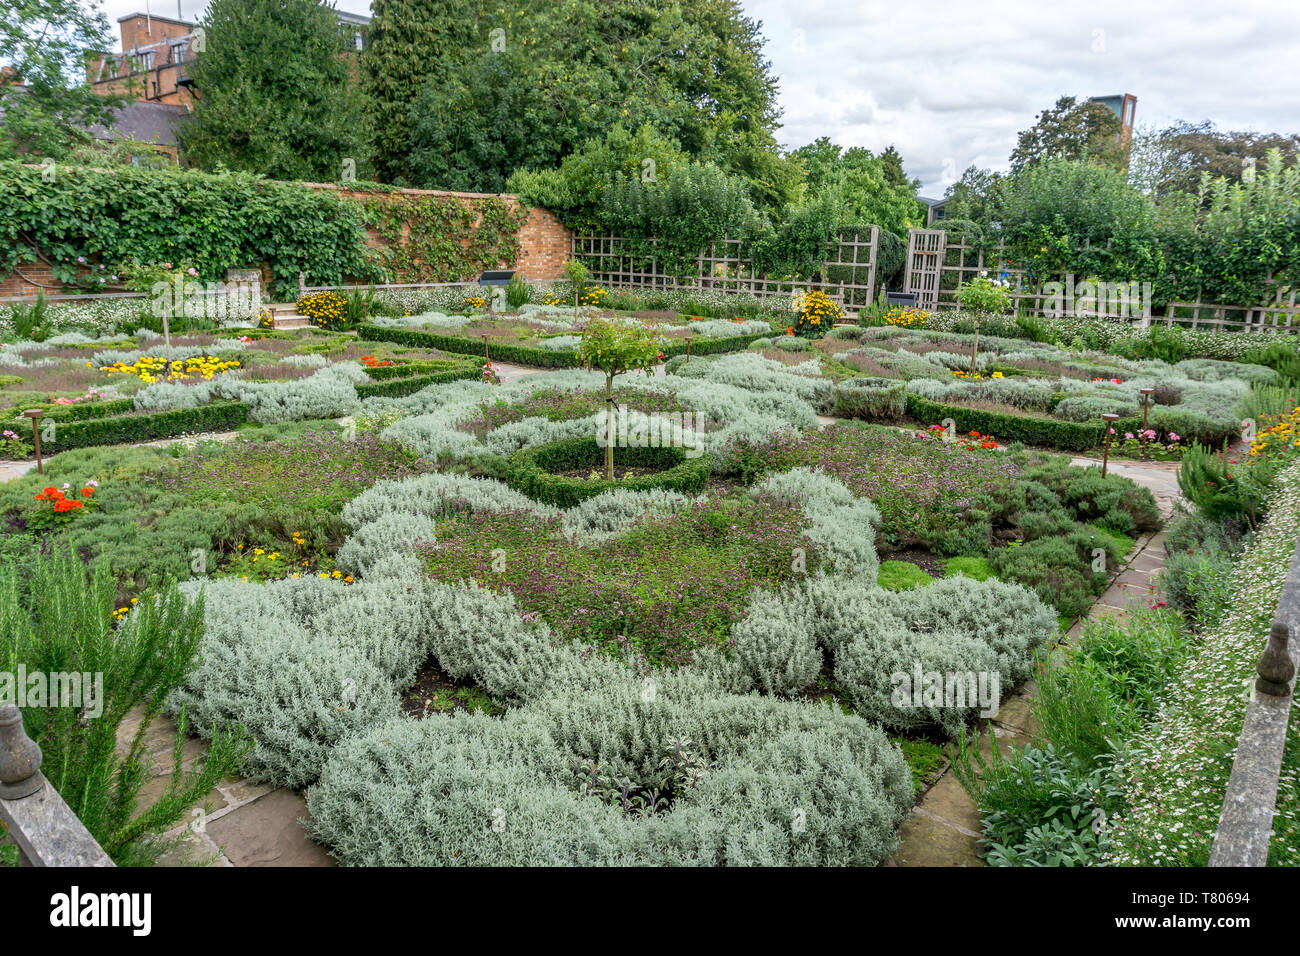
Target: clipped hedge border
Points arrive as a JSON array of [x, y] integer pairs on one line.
[[75, 413], [398, 387], [123, 429], [870, 399], [411, 369], [530, 355], [531, 470], [1048, 433]]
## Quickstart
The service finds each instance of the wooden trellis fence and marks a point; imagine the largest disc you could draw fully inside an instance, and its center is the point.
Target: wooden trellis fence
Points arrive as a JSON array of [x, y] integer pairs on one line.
[[848, 273]]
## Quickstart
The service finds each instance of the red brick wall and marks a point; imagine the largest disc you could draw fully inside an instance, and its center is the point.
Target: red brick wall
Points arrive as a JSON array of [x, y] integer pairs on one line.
[[544, 245], [544, 241], [38, 272]]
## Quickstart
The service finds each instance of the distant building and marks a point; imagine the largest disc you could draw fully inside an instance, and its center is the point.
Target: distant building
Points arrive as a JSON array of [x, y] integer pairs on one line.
[[1123, 105], [154, 65], [154, 124], [937, 209]]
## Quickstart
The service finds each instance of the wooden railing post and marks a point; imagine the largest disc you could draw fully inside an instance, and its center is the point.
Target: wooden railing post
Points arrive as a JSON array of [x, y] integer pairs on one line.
[[46, 830]]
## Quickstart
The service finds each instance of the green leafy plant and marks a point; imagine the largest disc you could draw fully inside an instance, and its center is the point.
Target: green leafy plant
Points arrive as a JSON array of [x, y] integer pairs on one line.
[[59, 618], [615, 348]]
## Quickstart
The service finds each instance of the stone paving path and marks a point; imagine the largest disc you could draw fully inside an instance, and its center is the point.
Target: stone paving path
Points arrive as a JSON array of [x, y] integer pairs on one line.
[[944, 829]]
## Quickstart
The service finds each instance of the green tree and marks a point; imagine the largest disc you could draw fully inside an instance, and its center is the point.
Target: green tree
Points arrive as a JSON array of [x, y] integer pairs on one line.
[[615, 348], [276, 93], [1175, 158], [862, 187], [411, 43], [527, 84], [46, 103], [1071, 130], [974, 197]]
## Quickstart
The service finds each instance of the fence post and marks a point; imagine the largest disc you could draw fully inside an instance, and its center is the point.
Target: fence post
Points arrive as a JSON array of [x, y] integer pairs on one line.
[[46, 830]]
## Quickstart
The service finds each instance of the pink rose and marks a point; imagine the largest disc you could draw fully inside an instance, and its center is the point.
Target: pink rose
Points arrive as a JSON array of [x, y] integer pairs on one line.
[[167, 265]]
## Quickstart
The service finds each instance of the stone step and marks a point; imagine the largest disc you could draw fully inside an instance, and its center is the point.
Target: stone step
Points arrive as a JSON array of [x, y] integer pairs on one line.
[[292, 320]]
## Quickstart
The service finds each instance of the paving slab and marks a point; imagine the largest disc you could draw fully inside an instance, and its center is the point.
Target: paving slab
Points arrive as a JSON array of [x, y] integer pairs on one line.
[[266, 832]]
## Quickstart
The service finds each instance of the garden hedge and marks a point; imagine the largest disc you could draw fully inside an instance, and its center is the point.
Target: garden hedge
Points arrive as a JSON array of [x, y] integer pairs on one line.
[[531, 355], [398, 387], [71, 413], [531, 471], [417, 367], [871, 399], [1045, 432], [122, 429]]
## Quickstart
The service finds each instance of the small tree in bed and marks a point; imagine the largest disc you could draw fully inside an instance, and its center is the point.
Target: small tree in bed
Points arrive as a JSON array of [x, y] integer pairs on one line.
[[613, 348]]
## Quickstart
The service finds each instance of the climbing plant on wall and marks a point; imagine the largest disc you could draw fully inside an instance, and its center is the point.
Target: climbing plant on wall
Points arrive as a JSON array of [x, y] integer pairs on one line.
[[443, 238], [80, 218]]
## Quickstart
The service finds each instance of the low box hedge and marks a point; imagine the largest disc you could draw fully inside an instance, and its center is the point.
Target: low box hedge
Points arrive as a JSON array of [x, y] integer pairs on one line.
[[502, 352], [870, 399], [413, 368], [532, 471], [84, 410], [531, 355], [398, 387], [122, 429], [1044, 432]]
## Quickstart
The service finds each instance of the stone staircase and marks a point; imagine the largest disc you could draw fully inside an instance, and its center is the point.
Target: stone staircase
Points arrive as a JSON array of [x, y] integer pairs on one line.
[[285, 316]]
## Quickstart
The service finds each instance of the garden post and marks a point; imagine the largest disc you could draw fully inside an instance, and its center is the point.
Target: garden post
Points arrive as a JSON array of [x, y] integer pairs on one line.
[[34, 414], [1146, 405], [1275, 666], [1108, 418]]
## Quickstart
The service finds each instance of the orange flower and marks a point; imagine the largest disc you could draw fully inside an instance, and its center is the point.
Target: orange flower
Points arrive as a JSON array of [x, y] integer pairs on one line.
[[87, 492]]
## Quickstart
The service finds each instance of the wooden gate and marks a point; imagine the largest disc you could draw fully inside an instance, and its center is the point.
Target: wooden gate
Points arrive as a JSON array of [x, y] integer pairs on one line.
[[925, 250]]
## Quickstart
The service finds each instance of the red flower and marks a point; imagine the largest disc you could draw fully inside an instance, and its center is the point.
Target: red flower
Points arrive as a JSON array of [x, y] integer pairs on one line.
[[87, 492]]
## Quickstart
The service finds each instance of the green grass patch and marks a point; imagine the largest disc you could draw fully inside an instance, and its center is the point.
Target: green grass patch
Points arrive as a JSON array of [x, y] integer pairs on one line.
[[901, 575], [977, 568]]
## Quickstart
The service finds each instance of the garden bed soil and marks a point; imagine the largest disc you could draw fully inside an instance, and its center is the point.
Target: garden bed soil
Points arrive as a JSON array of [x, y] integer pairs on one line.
[[620, 471], [435, 693]]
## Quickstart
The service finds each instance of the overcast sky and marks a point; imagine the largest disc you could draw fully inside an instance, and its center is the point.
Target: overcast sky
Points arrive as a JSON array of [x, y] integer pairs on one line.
[[950, 84]]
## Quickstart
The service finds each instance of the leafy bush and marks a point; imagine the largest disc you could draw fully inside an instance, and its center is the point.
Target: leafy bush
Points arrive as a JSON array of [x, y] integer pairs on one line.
[[532, 471], [1059, 569], [59, 618], [872, 399]]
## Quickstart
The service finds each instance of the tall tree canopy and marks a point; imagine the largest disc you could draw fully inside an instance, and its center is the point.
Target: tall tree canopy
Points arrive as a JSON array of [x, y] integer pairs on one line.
[[539, 78], [859, 186], [276, 93], [1175, 158], [45, 108], [1072, 130]]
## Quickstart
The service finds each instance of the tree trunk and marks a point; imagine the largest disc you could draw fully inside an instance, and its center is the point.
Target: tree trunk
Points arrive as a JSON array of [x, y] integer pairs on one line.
[[609, 426]]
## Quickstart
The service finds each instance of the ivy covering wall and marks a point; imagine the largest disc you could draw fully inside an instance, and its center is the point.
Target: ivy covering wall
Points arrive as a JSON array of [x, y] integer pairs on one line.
[[83, 219], [431, 238]]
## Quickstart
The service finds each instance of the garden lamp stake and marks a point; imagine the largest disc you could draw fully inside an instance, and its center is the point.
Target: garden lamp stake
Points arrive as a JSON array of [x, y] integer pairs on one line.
[[33, 414], [1105, 455], [1146, 404]]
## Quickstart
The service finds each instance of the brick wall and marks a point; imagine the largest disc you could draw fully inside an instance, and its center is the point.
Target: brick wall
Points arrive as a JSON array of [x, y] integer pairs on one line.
[[544, 245], [544, 241]]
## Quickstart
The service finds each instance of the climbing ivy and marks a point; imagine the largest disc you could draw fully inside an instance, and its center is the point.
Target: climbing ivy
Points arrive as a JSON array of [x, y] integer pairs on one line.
[[79, 218], [431, 238]]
